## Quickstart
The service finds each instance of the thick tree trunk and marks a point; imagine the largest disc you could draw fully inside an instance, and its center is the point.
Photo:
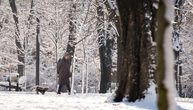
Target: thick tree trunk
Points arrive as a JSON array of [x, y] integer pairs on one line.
[[122, 69], [20, 49], [132, 51]]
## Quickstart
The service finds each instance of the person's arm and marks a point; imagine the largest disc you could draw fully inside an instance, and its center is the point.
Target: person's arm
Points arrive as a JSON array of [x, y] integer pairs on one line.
[[59, 65], [69, 67]]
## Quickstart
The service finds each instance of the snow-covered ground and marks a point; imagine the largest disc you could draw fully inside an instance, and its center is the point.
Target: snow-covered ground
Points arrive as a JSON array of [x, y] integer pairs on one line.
[[185, 103], [52, 101]]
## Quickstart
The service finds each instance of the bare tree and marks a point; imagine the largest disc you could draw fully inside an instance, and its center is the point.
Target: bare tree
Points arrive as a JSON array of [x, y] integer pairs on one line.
[[104, 49], [177, 45], [19, 46], [72, 28]]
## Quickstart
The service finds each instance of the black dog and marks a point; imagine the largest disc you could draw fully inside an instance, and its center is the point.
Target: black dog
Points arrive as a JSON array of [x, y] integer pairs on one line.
[[40, 89]]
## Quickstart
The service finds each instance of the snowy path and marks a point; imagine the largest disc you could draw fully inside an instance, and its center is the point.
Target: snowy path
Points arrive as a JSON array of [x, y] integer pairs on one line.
[[185, 103], [52, 101]]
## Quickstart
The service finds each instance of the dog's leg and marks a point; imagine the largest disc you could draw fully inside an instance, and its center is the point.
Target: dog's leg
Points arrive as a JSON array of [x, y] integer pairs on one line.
[[43, 92], [37, 91]]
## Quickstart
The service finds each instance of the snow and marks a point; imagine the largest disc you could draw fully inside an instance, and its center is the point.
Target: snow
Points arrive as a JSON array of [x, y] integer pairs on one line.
[[52, 101], [185, 103]]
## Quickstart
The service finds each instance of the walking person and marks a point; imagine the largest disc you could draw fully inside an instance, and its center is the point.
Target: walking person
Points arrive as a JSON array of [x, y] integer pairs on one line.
[[63, 71]]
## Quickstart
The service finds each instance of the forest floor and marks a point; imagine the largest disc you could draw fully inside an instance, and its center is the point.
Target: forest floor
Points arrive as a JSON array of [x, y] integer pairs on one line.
[[52, 101]]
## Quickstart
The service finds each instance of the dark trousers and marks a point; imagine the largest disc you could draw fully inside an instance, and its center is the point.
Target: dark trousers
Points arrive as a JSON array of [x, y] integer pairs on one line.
[[60, 88]]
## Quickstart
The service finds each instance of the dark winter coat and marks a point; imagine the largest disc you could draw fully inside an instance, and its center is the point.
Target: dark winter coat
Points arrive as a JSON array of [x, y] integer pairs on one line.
[[63, 71]]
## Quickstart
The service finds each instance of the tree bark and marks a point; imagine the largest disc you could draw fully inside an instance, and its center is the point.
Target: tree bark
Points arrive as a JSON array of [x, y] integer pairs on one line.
[[162, 90], [105, 46], [20, 48], [132, 51], [72, 29], [72, 37], [37, 51], [31, 16], [176, 43], [154, 18], [113, 17]]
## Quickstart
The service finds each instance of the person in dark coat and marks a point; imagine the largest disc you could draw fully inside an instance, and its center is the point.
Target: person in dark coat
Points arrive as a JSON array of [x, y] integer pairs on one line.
[[63, 71]]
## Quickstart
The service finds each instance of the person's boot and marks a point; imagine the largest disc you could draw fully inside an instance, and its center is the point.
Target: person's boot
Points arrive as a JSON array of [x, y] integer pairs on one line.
[[58, 92]]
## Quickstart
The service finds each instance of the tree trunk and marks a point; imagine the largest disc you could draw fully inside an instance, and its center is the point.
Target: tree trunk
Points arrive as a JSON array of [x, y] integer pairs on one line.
[[72, 38], [73, 69], [31, 16], [164, 72], [176, 43], [162, 91], [153, 23], [72, 29], [37, 51], [147, 45], [104, 50], [20, 49], [132, 51], [114, 18]]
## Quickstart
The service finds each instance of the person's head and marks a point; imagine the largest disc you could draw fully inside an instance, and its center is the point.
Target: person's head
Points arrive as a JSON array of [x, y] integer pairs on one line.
[[67, 56]]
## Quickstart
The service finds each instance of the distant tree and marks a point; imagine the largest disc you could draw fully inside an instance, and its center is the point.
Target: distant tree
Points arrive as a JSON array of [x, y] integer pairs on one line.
[[72, 33], [114, 24], [37, 23], [183, 29], [72, 28], [37, 51], [176, 44], [19, 46], [105, 49]]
